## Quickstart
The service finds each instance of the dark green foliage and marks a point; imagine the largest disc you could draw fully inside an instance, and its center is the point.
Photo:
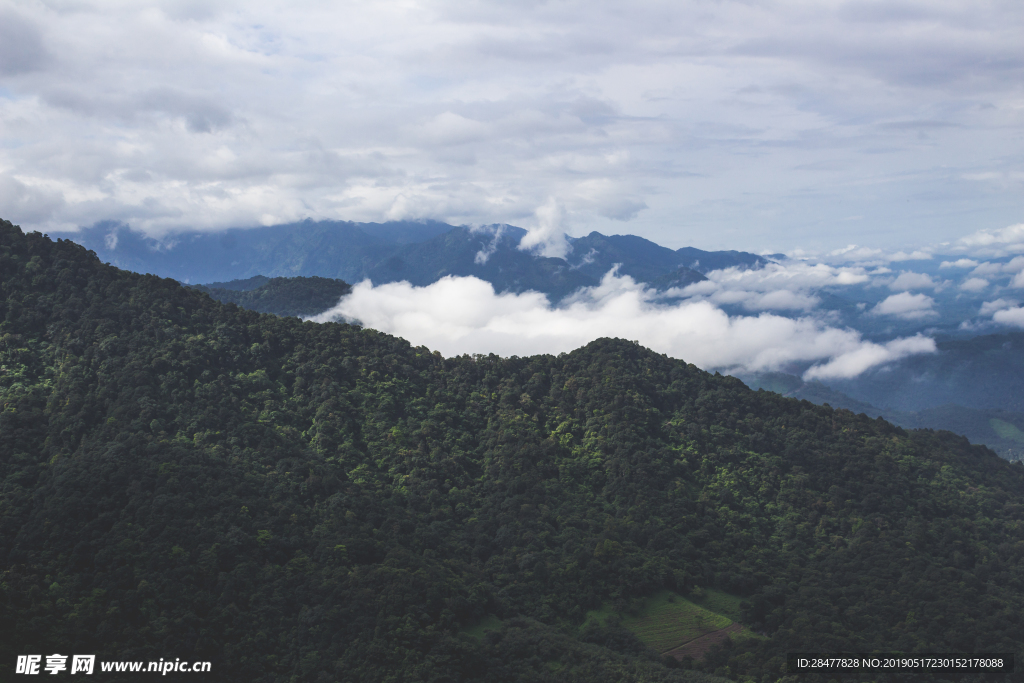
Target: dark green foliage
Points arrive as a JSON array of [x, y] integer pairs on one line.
[[288, 296], [245, 285], [303, 502]]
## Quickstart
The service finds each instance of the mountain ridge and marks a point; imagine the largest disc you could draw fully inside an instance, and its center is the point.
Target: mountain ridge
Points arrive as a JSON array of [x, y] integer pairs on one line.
[[418, 252]]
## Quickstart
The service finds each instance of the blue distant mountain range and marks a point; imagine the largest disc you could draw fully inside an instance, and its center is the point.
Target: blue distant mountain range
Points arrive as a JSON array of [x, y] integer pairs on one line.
[[417, 252]]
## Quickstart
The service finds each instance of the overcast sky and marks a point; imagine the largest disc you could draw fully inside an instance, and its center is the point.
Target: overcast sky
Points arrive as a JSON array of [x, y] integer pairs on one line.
[[769, 125]]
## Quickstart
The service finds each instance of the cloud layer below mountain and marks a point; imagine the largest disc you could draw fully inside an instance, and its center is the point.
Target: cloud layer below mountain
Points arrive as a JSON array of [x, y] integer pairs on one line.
[[457, 315]]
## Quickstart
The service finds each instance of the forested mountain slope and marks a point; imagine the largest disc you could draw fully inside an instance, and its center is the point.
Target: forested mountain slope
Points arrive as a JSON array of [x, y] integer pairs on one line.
[[315, 502], [292, 296]]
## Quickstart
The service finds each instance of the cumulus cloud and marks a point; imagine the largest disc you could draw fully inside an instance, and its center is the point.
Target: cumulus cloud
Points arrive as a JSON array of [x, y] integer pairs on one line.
[[907, 306], [547, 236], [990, 269], [959, 263], [1010, 316], [458, 315], [999, 242], [777, 286], [974, 284], [990, 307], [870, 355], [909, 280], [987, 269]]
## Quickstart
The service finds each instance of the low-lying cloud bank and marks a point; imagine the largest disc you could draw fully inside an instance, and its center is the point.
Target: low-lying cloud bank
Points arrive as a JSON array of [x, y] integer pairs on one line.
[[457, 315]]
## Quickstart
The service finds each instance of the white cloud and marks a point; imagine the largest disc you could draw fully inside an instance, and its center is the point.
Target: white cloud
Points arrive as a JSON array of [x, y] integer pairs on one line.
[[870, 355], [990, 269], [1014, 265], [910, 280], [872, 256], [464, 315], [987, 269], [915, 255], [776, 286], [907, 306], [1010, 316], [547, 236], [1001, 242], [959, 263], [485, 254], [990, 307], [974, 284]]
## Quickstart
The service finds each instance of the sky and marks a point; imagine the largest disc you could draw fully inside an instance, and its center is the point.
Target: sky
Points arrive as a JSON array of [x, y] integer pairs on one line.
[[803, 127]]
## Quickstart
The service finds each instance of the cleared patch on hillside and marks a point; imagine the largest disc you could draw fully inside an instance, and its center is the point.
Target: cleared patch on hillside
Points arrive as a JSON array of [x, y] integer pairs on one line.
[[717, 602], [677, 626], [1006, 430], [666, 620]]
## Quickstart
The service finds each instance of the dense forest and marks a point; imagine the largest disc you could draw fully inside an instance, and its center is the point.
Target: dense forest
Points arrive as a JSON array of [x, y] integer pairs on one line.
[[318, 502]]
